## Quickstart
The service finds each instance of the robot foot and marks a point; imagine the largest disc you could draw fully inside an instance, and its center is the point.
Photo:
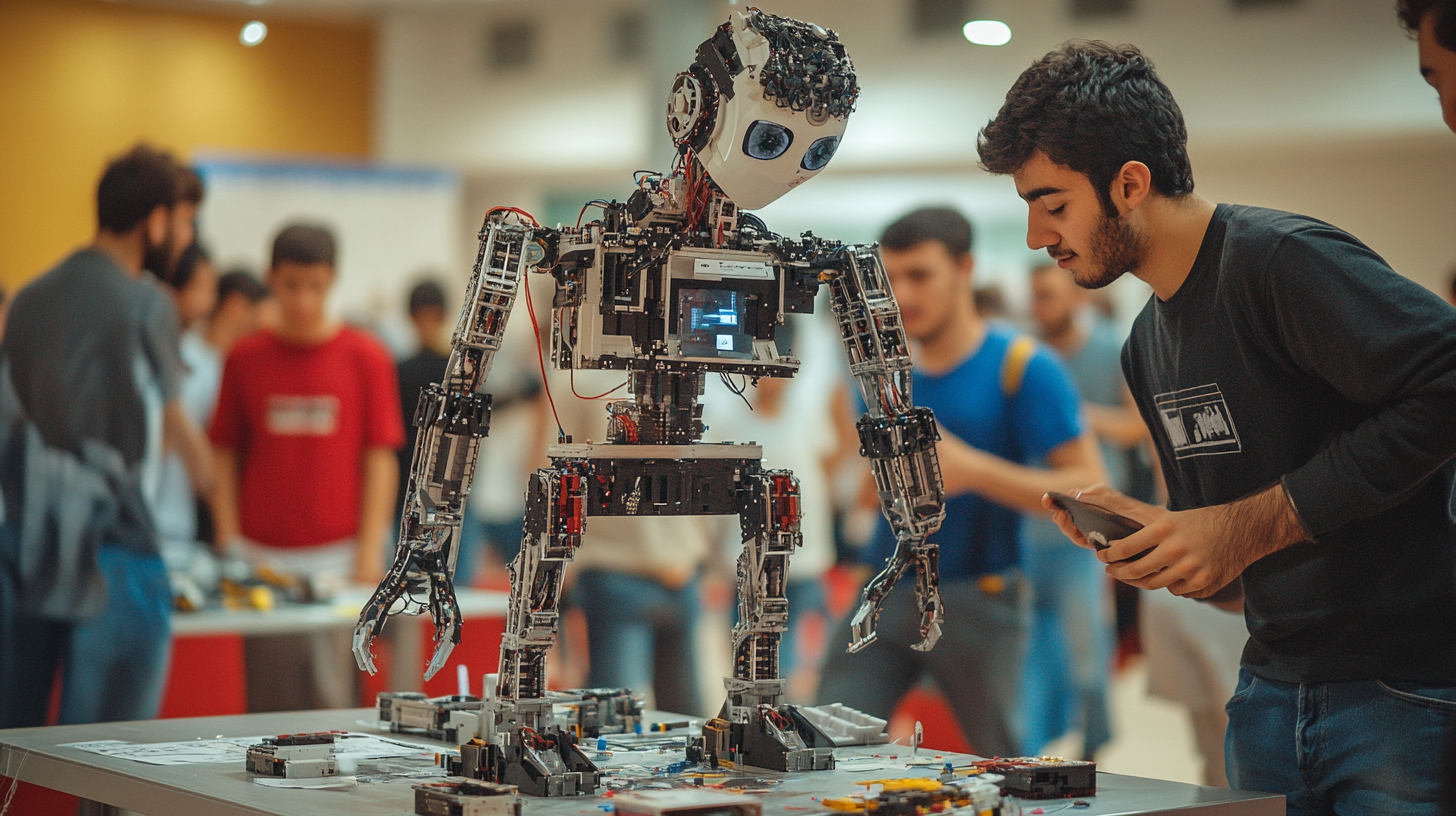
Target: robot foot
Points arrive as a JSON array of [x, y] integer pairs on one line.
[[539, 763], [777, 738]]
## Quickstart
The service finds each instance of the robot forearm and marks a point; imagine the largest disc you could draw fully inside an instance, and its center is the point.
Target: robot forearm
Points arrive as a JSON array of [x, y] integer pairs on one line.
[[895, 435], [452, 417]]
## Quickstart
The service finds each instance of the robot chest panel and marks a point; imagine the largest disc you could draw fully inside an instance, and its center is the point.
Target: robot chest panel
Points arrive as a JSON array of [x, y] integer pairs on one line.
[[693, 308]]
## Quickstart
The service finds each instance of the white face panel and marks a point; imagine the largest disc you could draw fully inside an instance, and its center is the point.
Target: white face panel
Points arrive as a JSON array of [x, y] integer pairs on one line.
[[758, 151]]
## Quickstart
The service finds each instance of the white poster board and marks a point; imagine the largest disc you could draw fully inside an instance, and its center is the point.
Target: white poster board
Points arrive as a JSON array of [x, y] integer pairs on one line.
[[393, 226]]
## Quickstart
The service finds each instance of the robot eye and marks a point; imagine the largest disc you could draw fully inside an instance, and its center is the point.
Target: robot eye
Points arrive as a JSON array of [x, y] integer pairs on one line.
[[767, 140], [820, 153]]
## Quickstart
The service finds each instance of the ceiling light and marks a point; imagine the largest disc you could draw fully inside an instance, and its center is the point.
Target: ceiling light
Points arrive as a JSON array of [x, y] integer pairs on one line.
[[987, 32], [254, 32]]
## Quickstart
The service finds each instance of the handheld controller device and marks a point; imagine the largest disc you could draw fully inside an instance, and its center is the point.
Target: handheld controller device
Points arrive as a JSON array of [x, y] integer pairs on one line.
[[1098, 524]]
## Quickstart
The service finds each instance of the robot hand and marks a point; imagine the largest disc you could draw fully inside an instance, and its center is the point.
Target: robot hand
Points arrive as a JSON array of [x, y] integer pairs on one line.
[[418, 564], [901, 449], [924, 557]]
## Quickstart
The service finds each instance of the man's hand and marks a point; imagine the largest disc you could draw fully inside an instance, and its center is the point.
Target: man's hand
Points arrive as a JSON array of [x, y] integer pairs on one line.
[[1193, 553]]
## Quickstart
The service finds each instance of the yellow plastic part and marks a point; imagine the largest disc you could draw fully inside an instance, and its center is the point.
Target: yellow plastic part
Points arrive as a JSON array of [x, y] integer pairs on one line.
[[910, 784]]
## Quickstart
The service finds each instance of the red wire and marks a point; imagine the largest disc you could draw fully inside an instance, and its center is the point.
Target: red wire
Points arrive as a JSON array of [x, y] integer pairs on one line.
[[541, 358], [517, 211]]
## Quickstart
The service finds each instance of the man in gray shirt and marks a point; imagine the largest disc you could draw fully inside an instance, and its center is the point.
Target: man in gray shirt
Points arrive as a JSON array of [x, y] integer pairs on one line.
[[91, 349]]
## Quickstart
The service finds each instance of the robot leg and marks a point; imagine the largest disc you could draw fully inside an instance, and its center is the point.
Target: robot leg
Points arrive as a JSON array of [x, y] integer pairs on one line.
[[755, 728], [523, 747]]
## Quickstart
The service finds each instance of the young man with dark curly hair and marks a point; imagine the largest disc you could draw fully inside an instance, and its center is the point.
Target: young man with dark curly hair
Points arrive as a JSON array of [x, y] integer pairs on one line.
[[1433, 24], [1300, 394]]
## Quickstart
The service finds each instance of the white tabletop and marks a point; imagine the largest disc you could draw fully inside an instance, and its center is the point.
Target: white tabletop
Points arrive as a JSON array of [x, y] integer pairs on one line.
[[33, 755]]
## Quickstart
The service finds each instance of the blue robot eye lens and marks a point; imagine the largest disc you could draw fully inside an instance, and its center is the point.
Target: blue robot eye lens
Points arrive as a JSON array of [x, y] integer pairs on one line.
[[767, 140], [820, 153]]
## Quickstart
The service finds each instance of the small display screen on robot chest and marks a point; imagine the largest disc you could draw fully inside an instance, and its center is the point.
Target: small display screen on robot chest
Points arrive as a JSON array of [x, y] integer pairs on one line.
[[710, 324]]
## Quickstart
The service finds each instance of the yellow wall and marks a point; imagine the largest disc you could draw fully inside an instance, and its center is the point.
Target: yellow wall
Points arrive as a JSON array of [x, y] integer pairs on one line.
[[82, 80]]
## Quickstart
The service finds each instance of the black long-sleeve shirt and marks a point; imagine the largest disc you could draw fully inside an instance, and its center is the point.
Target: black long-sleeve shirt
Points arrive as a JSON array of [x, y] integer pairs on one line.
[[1293, 353]]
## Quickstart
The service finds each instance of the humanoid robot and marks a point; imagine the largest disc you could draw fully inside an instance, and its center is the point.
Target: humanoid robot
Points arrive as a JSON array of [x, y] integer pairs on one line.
[[677, 283]]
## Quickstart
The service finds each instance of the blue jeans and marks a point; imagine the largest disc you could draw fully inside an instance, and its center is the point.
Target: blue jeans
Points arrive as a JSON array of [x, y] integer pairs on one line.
[[114, 665], [1356, 747], [1069, 653], [642, 636], [976, 665]]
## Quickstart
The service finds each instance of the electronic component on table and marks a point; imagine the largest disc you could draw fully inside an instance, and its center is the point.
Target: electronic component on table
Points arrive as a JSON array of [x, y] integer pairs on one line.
[[685, 802], [978, 795], [466, 797], [596, 712], [1098, 525], [454, 718], [544, 763], [1043, 777], [294, 756], [677, 283]]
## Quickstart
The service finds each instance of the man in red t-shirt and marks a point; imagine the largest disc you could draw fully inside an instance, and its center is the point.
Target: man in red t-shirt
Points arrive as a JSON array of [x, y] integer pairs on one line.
[[305, 430]]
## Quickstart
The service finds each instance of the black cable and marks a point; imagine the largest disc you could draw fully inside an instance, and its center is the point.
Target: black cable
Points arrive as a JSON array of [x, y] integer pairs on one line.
[[739, 390]]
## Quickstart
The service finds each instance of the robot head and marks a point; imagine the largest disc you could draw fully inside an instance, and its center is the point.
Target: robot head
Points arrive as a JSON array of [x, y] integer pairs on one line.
[[764, 105]]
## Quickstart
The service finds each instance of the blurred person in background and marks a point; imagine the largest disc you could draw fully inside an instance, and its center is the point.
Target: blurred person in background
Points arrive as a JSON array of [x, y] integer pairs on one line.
[[1072, 626], [1433, 24], [192, 284], [1002, 403], [1192, 651], [990, 303], [93, 387], [306, 428], [426, 367], [244, 305]]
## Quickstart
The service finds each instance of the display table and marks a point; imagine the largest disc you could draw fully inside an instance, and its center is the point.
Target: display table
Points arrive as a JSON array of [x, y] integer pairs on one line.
[[292, 619], [33, 755], [206, 673]]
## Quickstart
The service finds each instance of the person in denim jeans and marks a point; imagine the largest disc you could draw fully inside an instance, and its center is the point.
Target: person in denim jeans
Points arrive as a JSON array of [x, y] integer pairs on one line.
[[91, 349], [1300, 394]]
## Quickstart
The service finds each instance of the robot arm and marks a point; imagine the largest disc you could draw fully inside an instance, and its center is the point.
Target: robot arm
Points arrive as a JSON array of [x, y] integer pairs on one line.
[[895, 435], [452, 417]]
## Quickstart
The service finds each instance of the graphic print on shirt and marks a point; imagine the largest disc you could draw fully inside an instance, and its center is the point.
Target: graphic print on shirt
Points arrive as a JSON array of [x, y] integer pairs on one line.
[[1198, 421], [303, 416]]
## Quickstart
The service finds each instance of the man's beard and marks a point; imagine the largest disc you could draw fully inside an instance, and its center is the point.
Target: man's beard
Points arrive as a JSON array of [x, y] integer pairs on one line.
[[160, 259], [1116, 248]]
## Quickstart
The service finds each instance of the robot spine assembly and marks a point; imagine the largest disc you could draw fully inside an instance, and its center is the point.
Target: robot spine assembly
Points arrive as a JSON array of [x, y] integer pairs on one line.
[[677, 283]]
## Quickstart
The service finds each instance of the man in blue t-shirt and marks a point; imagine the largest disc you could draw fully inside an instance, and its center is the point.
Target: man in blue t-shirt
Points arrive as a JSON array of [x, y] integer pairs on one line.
[[1002, 402]]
